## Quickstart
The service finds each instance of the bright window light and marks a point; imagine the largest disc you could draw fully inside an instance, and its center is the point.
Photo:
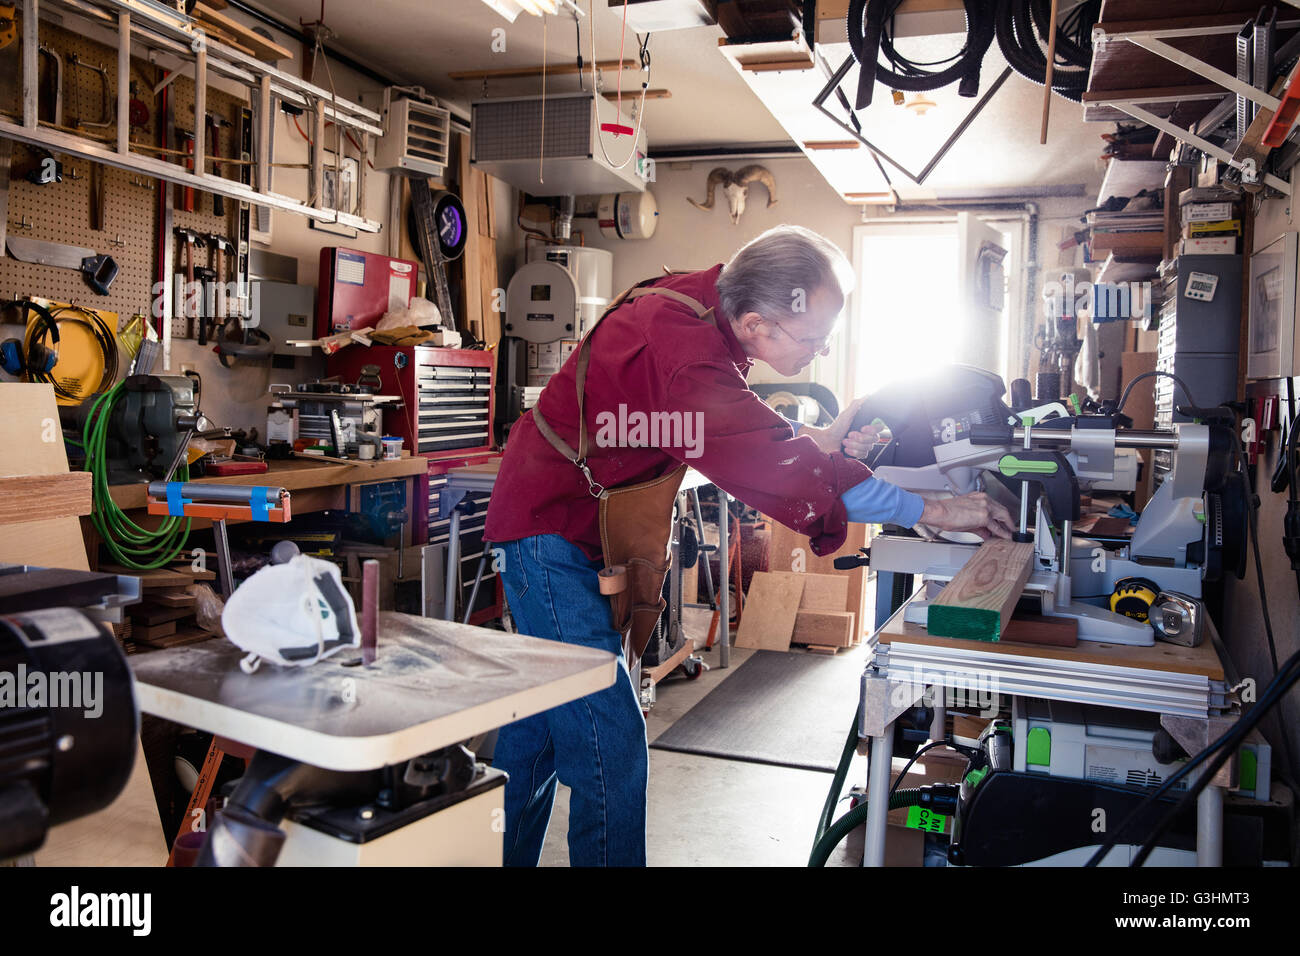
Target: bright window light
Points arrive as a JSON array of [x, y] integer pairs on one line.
[[906, 320]]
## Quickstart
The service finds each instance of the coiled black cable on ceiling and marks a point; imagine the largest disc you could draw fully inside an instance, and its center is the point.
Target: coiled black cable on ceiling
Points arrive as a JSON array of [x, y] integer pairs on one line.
[[871, 34], [1023, 29]]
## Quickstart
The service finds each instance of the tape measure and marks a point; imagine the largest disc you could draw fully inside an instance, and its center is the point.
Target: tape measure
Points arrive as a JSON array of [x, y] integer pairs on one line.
[[1133, 597]]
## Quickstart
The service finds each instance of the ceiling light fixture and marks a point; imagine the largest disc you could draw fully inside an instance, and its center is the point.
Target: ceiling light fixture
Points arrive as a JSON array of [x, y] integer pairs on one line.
[[510, 9], [507, 8], [921, 104]]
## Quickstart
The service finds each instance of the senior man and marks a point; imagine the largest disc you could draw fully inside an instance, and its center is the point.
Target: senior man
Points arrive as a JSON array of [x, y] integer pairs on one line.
[[586, 482]]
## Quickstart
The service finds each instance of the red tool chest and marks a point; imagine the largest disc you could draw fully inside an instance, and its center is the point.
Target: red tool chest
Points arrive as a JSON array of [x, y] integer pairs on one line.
[[447, 394]]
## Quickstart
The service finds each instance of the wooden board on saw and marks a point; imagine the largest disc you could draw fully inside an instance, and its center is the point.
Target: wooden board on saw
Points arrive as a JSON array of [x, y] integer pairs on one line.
[[770, 608], [1036, 629], [977, 603]]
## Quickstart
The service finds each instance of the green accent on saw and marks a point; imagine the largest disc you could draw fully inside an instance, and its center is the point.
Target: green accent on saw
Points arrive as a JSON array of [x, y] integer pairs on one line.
[[971, 623], [923, 818], [879, 422], [1038, 747], [1247, 769], [1011, 466], [975, 776], [1026, 421], [1074, 400], [1200, 516]]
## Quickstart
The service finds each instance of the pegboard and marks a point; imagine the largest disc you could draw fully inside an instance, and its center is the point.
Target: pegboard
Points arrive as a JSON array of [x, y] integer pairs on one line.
[[60, 212]]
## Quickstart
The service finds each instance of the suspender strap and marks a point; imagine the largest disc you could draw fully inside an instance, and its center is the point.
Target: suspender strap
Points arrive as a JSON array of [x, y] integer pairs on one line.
[[579, 457]]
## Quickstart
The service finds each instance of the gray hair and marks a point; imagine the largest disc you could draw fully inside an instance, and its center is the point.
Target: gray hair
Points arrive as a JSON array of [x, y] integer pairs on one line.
[[782, 266]]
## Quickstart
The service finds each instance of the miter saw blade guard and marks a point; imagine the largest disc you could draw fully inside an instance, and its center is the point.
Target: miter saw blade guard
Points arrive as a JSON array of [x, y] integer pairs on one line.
[[940, 408]]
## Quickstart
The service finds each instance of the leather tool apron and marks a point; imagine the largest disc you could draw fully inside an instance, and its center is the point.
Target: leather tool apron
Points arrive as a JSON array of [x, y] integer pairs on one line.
[[635, 520]]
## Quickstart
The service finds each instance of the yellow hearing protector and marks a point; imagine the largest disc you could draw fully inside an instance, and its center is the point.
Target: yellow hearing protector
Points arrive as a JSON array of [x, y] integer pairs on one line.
[[8, 26], [1133, 597]]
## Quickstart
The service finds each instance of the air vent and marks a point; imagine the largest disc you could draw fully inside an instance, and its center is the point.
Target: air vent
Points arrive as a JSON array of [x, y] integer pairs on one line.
[[415, 140], [506, 142]]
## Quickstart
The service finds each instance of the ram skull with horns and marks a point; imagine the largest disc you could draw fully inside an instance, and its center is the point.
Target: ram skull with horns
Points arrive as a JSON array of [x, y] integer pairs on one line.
[[736, 187]]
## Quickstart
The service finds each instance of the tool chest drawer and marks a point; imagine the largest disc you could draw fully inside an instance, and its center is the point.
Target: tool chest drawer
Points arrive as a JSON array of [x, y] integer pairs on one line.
[[453, 407], [446, 394]]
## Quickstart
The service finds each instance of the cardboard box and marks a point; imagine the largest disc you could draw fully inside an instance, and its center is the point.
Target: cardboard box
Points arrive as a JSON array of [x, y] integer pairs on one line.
[[905, 845]]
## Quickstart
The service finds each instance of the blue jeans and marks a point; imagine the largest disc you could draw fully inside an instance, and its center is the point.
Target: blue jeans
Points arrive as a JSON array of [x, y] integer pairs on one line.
[[595, 745]]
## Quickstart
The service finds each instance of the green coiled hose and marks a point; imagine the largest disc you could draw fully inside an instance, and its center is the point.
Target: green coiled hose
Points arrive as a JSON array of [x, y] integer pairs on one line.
[[131, 545]]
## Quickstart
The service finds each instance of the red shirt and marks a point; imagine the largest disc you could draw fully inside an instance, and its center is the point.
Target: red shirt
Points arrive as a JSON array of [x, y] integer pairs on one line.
[[652, 356]]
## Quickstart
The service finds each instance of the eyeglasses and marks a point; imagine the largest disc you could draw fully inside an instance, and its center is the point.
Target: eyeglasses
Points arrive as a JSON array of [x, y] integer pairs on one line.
[[819, 346]]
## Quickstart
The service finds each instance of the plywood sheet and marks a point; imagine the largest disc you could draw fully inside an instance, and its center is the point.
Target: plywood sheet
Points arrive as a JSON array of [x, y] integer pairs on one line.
[[771, 603], [31, 442], [824, 592]]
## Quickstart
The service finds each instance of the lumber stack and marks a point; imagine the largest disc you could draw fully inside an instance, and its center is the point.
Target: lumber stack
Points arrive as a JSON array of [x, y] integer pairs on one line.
[[790, 607], [791, 551], [165, 615]]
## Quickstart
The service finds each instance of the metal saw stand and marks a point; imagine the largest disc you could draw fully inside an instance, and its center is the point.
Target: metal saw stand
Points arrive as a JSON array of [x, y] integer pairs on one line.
[[1193, 712]]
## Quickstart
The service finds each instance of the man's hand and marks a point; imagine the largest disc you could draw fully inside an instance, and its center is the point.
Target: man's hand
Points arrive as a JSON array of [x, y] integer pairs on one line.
[[837, 437], [976, 513]]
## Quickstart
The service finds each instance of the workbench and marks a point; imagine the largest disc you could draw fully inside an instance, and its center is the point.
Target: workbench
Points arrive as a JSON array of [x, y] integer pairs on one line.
[[1186, 686], [312, 485]]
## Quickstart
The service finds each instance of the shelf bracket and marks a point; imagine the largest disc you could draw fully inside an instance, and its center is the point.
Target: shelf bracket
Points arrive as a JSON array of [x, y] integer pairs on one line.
[[1152, 43], [1132, 108]]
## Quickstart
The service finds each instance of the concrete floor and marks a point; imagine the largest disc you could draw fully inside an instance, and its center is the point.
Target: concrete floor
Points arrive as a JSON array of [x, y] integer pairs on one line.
[[705, 811]]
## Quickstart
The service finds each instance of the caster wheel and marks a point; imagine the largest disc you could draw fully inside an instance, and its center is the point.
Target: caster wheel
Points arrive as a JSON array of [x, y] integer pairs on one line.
[[692, 669]]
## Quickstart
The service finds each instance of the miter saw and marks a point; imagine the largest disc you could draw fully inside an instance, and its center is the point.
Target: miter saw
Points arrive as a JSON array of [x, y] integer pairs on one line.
[[952, 434]]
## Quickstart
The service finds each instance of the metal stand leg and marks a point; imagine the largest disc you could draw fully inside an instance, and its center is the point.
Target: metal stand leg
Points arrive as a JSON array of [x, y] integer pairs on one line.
[[878, 770], [708, 570], [453, 565], [884, 597], [939, 726], [223, 558], [1209, 827], [724, 586], [478, 579]]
